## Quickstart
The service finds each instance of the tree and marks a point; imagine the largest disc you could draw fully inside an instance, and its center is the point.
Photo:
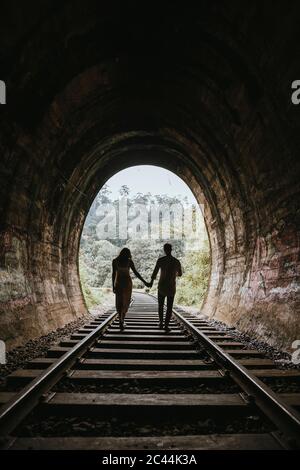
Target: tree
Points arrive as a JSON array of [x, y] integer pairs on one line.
[[104, 195], [124, 190]]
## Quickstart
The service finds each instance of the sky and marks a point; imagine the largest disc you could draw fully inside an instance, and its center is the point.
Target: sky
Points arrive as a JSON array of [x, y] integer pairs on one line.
[[152, 179]]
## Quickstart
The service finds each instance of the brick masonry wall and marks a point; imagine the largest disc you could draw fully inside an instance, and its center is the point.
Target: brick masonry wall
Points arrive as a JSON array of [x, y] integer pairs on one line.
[[206, 95]]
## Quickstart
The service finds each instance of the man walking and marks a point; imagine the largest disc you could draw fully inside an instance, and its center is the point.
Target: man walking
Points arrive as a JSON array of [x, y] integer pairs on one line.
[[170, 268]]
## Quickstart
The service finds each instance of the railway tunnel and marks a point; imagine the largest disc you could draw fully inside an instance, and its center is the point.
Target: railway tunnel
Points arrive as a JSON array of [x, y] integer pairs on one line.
[[92, 89]]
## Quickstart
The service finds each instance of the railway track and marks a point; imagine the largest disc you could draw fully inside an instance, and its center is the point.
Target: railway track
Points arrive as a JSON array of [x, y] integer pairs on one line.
[[193, 388]]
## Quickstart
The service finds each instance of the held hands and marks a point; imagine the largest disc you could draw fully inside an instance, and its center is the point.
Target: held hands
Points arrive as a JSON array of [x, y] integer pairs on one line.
[[149, 284]]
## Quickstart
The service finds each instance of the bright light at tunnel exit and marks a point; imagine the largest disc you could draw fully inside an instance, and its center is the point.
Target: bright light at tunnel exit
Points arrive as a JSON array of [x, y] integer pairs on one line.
[[142, 207], [148, 202]]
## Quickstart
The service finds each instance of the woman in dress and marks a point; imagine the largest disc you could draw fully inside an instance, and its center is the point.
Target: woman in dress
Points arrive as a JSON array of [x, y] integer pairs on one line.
[[122, 283]]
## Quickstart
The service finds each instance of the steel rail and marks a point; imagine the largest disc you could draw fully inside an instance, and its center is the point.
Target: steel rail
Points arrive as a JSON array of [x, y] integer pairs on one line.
[[286, 419], [14, 411]]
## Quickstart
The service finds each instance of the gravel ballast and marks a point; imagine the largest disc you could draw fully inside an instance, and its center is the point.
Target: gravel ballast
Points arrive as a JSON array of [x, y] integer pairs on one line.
[[17, 358], [282, 359]]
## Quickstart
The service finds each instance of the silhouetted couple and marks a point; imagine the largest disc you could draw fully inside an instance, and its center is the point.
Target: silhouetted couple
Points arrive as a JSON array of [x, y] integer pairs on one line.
[[169, 268]]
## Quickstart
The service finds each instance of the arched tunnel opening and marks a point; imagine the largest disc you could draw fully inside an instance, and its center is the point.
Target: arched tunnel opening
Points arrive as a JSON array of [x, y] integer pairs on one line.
[[89, 93], [142, 208]]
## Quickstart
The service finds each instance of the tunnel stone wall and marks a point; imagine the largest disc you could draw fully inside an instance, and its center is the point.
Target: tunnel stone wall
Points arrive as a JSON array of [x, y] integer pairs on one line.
[[93, 89]]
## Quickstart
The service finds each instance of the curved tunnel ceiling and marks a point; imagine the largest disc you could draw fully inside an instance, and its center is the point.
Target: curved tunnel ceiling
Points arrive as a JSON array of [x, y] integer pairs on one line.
[[96, 88]]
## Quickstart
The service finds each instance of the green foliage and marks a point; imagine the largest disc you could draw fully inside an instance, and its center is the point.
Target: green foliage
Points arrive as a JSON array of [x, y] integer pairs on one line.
[[194, 282], [90, 299], [93, 295]]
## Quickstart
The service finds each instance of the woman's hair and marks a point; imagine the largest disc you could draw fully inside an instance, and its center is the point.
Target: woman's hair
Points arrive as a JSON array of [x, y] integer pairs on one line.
[[124, 255]]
